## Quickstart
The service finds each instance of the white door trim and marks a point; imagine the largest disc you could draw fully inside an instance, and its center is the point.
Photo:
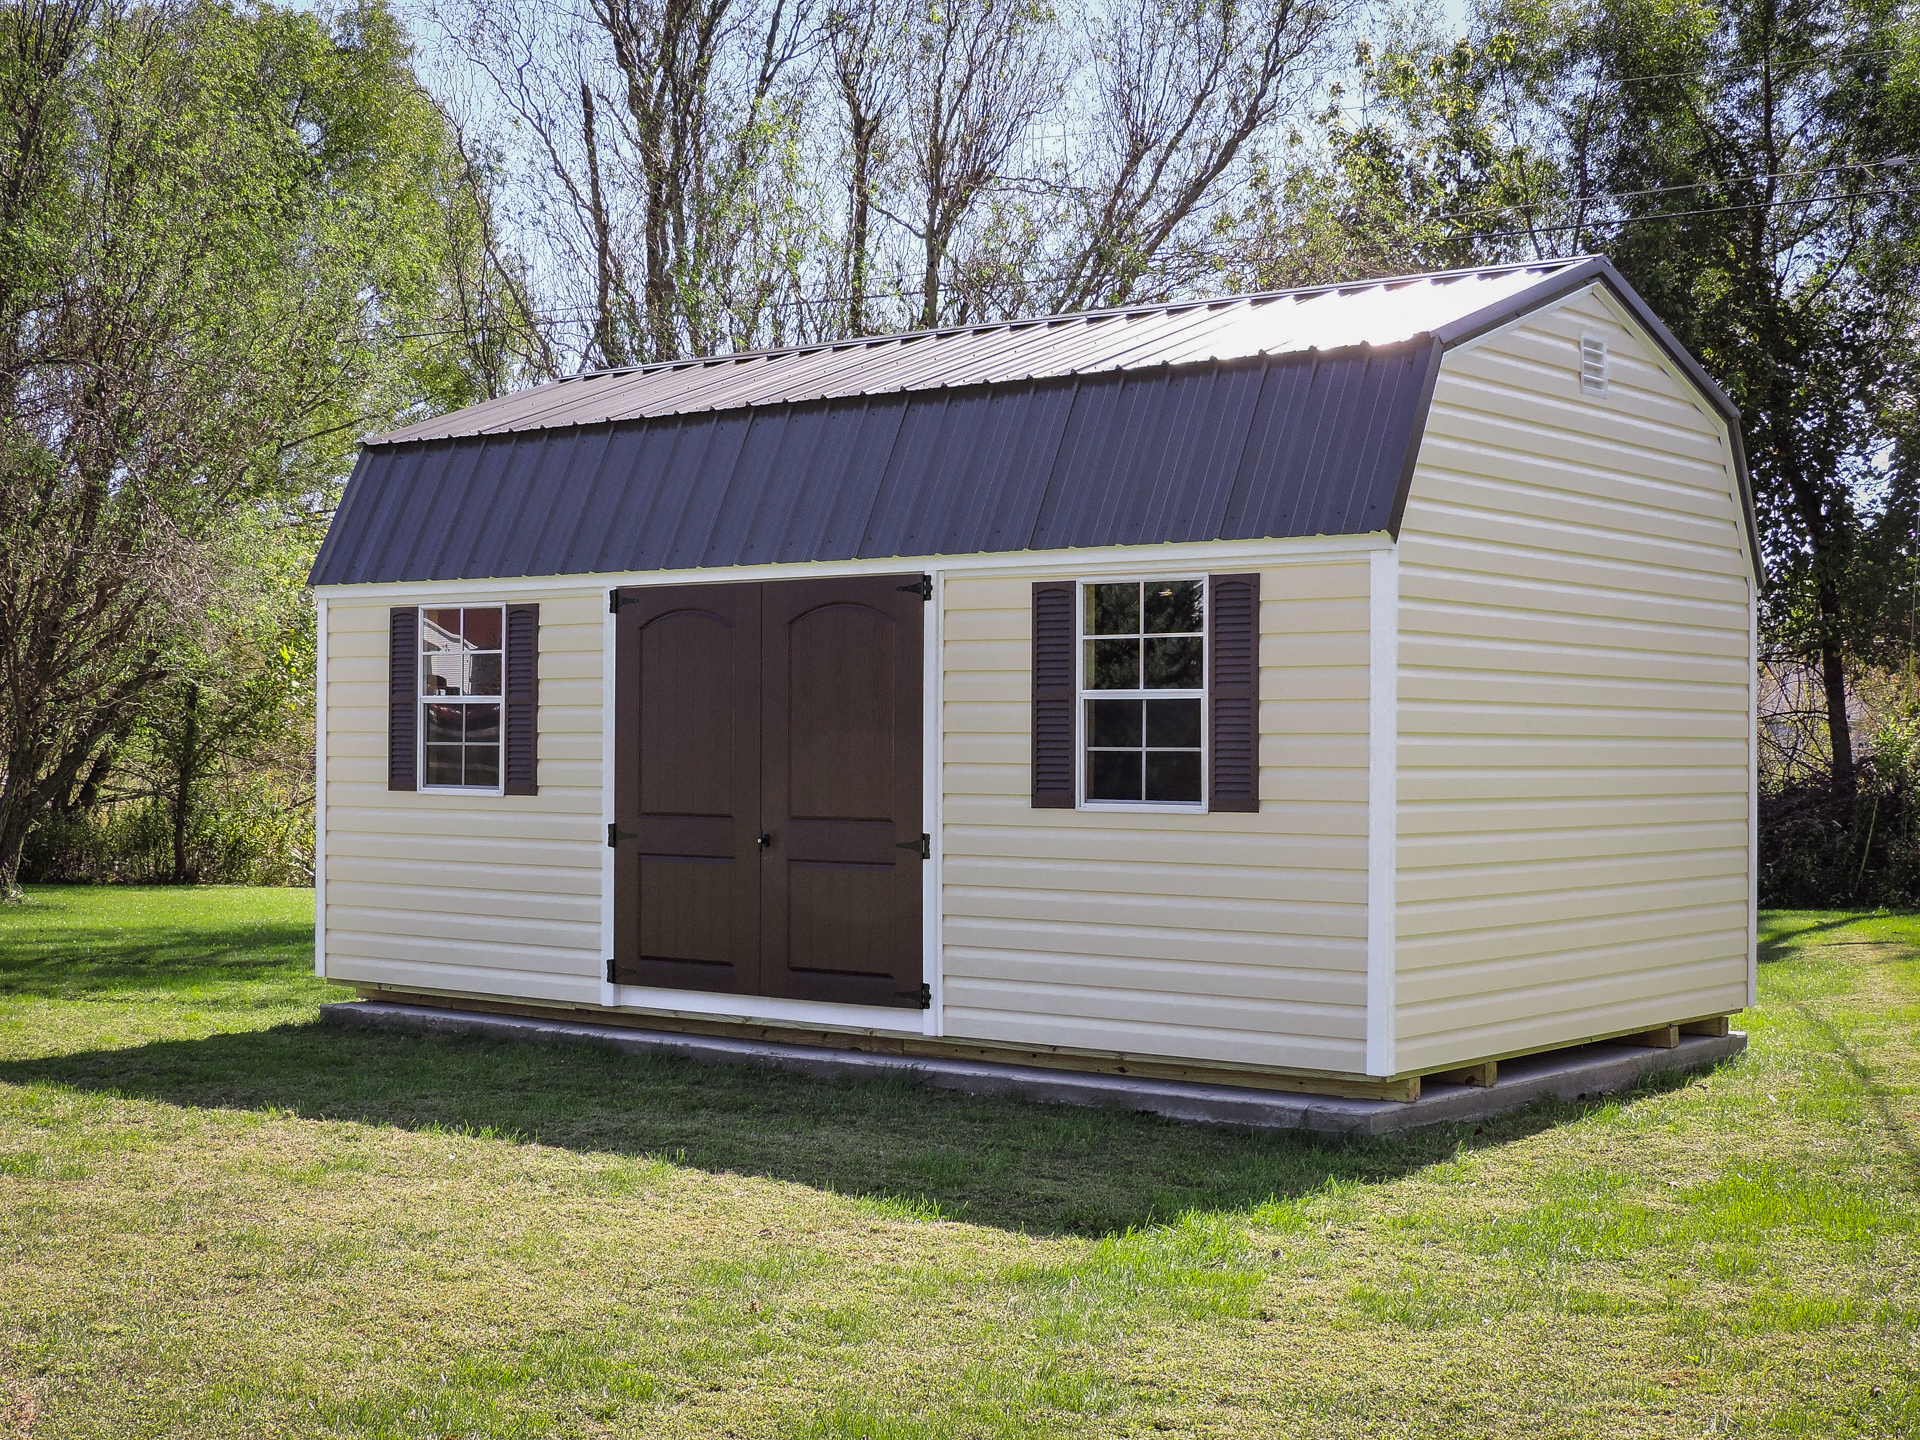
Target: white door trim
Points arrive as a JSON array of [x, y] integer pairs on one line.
[[761, 1007]]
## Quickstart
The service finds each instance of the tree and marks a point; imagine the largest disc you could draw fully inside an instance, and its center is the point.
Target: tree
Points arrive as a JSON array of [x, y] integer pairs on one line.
[[1180, 89], [866, 44], [1744, 163], [223, 256], [978, 76], [1421, 159]]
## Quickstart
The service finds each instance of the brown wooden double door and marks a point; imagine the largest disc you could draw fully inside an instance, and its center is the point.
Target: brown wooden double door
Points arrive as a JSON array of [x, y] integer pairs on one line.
[[768, 789]]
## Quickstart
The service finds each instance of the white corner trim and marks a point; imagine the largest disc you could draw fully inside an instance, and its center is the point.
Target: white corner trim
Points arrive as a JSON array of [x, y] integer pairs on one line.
[[1383, 721], [320, 788], [1753, 793], [609, 992]]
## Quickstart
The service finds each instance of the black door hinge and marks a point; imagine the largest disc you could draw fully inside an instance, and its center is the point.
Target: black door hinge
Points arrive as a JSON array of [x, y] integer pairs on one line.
[[926, 996], [611, 963], [613, 602], [924, 846], [923, 586], [615, 835]]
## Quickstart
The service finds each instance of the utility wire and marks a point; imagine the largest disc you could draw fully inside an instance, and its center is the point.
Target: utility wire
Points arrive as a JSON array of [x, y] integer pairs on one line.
[[1689, 214], [1895, 162], [582, 315]]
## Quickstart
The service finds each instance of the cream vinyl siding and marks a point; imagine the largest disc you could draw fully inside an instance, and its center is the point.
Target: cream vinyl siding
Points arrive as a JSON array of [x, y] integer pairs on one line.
[[480, 894], [1238, 938], [1574, 673]]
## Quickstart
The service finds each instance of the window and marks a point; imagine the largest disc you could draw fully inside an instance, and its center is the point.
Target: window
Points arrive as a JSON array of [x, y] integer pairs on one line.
[[1143, 683], [460, 673]]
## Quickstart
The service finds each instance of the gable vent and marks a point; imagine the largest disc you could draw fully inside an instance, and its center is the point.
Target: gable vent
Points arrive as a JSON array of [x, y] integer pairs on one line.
[[1593, 365]]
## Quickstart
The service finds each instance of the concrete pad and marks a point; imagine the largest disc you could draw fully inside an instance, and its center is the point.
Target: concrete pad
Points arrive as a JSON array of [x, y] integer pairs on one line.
[[1573, 1074]]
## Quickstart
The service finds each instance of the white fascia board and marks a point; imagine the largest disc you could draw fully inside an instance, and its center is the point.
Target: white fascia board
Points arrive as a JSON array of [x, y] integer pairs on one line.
[[1066, 563], [1383, 759], [320, 788]]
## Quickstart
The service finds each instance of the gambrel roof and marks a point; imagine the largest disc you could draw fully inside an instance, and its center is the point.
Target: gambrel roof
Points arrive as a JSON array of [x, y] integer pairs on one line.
[[1258, 416]]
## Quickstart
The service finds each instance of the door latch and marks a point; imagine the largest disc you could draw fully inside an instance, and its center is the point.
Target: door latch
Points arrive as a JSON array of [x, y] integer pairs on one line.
[[766, 839], [923, 846]]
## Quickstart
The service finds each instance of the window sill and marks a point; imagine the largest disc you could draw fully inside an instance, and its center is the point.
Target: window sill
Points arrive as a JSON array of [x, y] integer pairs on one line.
[[1143, 807], [459, 790]]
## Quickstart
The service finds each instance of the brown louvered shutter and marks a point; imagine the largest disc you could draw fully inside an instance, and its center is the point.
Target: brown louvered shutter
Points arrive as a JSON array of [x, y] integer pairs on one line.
[[1233, 691], [523, 700], [403, 681], [1053, 641]]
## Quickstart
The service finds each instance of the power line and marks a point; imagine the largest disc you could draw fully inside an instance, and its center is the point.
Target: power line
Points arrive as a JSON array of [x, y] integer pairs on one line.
[[1893, 163], [1827, 60], [582, 316], [1690, 214]]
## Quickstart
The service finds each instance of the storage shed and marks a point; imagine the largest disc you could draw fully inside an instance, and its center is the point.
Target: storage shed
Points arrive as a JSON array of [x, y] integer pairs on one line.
[[1312, 690]]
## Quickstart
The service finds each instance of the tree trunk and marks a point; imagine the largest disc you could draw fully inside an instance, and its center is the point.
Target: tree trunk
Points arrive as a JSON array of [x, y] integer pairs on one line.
[[189, 761], [606, 334], [860, 198], [15, 817], [1833, 674], [930, 284]]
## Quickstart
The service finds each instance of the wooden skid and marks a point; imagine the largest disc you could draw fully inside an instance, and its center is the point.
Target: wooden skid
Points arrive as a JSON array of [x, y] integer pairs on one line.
[[1662, 1037], [1484, 1074]]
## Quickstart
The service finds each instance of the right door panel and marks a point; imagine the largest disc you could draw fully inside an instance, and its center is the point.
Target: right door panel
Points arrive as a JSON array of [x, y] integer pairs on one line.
[[841, 799]]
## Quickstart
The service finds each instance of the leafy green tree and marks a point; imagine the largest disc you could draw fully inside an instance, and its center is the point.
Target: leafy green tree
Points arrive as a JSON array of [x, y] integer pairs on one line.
[[226, 250], [1748, 165], [1422, 159]]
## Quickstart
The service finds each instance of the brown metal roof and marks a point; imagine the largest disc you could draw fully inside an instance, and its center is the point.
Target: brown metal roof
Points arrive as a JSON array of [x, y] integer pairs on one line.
[[1290, 322], [1250, 418], [1307, 445]]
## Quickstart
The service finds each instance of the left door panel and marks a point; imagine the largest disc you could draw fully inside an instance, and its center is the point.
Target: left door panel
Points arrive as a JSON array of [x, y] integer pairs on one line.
[[687, 788]]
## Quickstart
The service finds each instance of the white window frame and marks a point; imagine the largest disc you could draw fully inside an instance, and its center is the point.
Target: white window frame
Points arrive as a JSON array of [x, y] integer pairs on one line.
[[421, 700], [1081, 695]]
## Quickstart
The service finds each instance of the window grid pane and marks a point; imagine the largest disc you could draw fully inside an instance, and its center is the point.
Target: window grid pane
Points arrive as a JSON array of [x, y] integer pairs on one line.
[[460, 674], [1143, 678]]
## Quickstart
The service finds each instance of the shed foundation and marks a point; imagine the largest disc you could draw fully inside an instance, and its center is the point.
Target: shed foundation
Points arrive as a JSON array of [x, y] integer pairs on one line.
[[1570, 1074]]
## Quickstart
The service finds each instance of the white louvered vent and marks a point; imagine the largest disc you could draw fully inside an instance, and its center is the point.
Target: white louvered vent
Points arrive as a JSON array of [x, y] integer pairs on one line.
[[1593, 364]]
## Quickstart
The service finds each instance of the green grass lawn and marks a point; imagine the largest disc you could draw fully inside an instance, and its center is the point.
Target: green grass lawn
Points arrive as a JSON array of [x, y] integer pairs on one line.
[[218, 1218]]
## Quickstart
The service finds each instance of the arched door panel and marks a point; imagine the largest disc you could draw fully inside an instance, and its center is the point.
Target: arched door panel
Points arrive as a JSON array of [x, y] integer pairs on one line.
[[687, 789], [840, 753]]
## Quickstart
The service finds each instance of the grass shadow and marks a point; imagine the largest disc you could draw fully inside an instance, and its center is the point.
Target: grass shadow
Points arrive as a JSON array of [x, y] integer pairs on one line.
[[155, 959], [1793, 931], [1038, 1168]]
